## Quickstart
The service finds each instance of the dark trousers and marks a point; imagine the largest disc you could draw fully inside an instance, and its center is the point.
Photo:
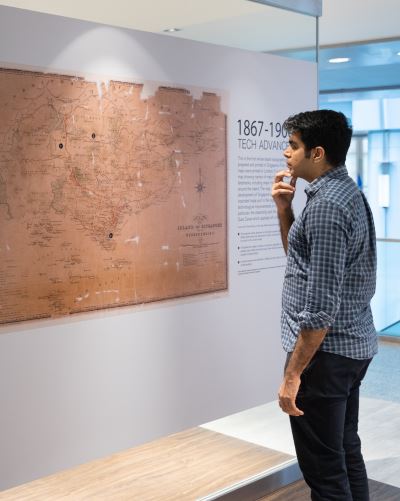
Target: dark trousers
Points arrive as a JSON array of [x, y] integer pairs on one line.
[[326, 438]]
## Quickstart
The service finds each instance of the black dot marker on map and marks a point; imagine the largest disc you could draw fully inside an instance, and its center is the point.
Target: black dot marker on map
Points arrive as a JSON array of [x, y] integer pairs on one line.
[[93, 135], [110, 235], [61, 146]]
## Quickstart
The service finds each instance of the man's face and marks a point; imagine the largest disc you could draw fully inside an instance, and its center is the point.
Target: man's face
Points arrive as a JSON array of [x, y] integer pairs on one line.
[[298, 158]]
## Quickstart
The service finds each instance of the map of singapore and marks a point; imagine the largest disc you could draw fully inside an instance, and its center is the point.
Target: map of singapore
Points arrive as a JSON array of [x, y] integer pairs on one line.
[[108, 197]]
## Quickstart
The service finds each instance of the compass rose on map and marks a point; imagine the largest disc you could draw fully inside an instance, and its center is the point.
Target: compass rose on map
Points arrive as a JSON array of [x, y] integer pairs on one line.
[[200, 186]]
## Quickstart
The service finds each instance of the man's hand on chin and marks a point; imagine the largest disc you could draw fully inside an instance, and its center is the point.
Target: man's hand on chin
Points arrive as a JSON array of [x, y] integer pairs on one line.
[[287, 396]]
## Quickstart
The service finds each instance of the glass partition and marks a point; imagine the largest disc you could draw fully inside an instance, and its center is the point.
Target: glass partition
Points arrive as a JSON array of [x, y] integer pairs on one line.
[[261, 28], [373, 162], [248, 26], [291, 35], [276, 31], [386, 303]]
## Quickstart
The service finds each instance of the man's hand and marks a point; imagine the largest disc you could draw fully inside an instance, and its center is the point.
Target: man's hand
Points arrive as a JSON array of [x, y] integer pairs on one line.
[[283, 192], [287, 396], [308, 342]]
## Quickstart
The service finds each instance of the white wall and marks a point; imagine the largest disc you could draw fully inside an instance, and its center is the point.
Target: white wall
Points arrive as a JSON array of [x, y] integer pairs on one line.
[[78, 388]]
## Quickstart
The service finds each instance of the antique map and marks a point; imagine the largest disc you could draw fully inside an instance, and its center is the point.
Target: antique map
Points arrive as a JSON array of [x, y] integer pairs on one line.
[[108, 197]]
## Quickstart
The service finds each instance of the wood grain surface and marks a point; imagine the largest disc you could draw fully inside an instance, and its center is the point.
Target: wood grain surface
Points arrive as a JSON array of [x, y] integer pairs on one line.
[[184, 466]]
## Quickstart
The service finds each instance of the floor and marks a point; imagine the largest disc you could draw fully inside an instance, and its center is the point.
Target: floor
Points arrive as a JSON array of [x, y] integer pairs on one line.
[[383, 377], [299, 491], [379, 423]]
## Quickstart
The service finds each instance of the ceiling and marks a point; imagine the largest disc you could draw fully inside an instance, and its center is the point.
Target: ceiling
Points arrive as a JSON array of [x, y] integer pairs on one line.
[[252, 26]]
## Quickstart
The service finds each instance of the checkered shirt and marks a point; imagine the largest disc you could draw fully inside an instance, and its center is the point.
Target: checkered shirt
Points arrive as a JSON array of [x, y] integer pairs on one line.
[[331, 268]]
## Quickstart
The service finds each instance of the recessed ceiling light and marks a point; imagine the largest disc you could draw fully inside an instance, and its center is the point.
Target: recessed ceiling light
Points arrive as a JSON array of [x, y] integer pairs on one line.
[[172, 30], [398, 53], [338, 60]]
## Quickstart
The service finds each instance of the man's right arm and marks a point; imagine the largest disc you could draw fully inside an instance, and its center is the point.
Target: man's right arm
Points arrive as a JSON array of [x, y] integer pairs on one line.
[[283, 194]]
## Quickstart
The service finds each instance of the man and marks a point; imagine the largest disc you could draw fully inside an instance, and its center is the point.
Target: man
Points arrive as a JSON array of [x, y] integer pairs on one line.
[[327, 325]]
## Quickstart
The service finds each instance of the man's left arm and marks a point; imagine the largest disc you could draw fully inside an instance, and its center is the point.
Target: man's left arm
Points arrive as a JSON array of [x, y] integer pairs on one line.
[[307, 344]]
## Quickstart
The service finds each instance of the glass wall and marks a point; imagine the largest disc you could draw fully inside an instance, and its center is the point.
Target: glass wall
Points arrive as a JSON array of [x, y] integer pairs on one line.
[[386, 303], [374, 163]]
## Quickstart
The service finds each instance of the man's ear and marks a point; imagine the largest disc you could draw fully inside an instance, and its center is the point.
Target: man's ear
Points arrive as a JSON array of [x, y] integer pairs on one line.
[[318, 154]]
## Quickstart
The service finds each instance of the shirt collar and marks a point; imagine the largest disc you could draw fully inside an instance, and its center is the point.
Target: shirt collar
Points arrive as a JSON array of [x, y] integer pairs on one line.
[[334, 173]]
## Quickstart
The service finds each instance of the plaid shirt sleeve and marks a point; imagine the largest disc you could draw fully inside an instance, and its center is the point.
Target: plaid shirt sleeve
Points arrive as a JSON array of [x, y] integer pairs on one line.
[[328, 228]]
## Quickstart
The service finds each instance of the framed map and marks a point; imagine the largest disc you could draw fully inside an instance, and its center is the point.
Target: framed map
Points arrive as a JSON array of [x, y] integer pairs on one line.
[[108, 197]]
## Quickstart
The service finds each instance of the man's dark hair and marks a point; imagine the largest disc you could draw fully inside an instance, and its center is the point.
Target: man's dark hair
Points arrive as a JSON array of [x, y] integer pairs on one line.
[[327, 128]]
